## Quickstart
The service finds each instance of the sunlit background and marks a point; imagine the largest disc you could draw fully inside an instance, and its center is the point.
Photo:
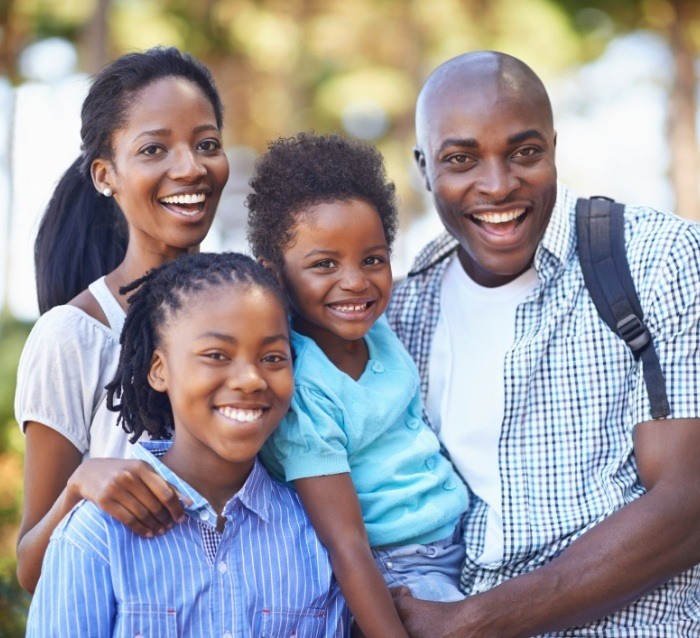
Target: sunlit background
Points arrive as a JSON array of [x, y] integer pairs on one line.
[[622, 76]]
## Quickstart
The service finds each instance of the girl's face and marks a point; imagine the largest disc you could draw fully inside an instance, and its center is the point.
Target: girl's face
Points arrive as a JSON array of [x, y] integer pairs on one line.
[[225, 362], [169, 167], [337, 272]]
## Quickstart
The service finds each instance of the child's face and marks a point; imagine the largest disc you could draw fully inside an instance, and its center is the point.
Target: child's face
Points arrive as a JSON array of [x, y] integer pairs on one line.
[[337, 271], [225, 362]]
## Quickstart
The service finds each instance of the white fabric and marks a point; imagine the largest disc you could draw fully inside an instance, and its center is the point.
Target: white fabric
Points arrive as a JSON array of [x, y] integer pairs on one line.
[[66, 362], [110, 306], [475, 329]]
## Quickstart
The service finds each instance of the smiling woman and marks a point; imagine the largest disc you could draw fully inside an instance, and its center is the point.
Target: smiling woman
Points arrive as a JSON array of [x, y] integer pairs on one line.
[[143, 191]]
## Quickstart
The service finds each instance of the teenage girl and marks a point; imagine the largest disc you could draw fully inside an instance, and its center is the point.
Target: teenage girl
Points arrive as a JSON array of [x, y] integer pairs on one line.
[[144, 190], [369, 471], [206, 355]]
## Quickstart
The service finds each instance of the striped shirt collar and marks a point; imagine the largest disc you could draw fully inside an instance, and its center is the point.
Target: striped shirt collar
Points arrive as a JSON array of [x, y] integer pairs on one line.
[[255, 495]]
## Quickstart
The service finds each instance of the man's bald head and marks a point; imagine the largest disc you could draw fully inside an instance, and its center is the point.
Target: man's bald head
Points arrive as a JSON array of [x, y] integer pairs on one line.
[[480, 71], [486, 150]]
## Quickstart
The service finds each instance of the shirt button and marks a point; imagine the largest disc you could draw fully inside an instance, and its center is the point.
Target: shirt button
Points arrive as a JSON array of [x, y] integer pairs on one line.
[[414, 424], [228, 634], [204, 515], [448, 485], [430, 463], [389, 565], [222, 567], [377, 367]]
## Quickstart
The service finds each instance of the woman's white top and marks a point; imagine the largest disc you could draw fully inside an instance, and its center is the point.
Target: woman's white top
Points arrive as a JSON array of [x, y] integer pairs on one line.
[[66, 362]]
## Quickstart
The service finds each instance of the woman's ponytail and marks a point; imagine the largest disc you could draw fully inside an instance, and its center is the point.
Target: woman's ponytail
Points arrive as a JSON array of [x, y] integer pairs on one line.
[[82, 236]]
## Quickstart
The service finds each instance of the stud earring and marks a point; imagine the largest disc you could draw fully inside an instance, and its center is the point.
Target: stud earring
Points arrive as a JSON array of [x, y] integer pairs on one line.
[[107, 192]]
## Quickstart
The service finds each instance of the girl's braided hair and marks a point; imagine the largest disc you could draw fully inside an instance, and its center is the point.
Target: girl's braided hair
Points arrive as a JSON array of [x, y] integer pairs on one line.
[[156, 298]]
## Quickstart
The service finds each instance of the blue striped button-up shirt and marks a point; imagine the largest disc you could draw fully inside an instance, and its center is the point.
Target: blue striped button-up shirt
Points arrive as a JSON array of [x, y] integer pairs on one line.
[[267, 574], [573, 394]]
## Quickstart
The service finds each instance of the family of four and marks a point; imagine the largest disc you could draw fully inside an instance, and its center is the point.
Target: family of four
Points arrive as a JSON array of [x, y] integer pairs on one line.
[[297, 445]]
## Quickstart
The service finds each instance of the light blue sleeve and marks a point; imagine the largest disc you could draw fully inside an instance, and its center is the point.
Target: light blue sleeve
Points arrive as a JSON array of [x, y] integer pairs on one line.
[[311, 440], [74, 595]]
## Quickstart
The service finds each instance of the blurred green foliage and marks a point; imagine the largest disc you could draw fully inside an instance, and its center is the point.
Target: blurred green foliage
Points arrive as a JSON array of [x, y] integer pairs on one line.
[[13, 601]]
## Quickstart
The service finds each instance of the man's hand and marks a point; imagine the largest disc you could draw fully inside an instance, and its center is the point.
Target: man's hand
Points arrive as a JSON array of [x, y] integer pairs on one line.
[[426, 618]]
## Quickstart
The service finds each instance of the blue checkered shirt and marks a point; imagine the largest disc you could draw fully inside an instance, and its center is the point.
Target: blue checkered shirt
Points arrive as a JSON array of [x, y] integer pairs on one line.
[[573, 394]]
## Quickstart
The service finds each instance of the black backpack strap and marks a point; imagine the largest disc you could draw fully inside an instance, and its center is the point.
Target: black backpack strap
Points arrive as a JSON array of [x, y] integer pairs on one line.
[[603, 256]]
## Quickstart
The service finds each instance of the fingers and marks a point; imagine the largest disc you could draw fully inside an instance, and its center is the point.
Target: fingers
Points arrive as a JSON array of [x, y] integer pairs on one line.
[[167, 495], [135, 494], [139, 510], [398, 592]]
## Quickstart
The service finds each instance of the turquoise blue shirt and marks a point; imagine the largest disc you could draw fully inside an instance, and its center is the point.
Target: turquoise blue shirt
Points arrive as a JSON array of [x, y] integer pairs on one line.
[[371, 428]]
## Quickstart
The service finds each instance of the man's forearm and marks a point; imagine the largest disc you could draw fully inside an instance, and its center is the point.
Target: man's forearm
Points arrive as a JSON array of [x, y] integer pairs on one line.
[[628, 555], [613, 564]]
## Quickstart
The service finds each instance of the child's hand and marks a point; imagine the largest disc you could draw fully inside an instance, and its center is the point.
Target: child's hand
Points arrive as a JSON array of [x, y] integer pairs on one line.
[[132, 492]]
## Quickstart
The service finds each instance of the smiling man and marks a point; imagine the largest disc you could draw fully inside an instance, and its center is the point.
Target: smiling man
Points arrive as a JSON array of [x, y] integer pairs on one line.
[[586, 512]]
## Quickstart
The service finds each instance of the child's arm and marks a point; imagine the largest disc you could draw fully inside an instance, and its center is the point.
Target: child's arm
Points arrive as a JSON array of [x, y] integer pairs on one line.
[[332, 505], [55, 480]]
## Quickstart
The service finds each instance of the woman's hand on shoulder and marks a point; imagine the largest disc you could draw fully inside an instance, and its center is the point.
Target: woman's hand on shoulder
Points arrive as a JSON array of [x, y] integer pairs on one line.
[[132, 492]]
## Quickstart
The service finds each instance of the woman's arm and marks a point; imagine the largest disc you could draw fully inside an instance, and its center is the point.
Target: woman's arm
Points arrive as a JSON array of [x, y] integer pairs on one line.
[[332, 505], [55, 480]]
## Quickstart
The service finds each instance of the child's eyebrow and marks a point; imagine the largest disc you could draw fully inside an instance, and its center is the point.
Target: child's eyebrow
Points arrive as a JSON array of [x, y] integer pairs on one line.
[[274, 338], [321, 251], [231, 339], [333, 253]]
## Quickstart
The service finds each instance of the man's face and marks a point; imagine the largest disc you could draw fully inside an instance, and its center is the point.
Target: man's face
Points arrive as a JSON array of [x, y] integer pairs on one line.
[[487, 155]]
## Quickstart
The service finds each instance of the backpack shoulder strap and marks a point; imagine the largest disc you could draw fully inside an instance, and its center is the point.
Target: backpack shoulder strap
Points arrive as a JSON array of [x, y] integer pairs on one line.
[[603, 256]]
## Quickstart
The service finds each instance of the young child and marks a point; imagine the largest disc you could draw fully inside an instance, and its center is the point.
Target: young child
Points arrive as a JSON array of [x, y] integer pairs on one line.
[[206, 354], [369, 471]]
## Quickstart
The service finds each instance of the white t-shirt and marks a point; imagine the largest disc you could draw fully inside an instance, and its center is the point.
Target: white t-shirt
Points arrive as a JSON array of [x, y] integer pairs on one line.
[[465, 399], [66, 362]]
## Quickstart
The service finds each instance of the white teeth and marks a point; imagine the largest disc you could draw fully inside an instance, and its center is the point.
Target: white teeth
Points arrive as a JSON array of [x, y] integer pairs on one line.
[[499, 218], [190, 198], [239, 414], [349, 307]]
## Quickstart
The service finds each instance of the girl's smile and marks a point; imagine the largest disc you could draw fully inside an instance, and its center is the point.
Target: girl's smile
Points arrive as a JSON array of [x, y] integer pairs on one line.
[[337, 273], [226, 365]]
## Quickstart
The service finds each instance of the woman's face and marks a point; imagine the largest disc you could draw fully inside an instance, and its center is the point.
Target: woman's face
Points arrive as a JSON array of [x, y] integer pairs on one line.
[[168, 167]]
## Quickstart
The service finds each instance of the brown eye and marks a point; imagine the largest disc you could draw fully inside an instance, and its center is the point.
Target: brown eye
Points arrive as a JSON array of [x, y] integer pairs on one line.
[[151, 150], [209, 145]]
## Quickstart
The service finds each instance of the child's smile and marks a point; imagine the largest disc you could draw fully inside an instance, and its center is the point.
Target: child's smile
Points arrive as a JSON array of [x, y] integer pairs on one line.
[[337, 272], [225, 363]]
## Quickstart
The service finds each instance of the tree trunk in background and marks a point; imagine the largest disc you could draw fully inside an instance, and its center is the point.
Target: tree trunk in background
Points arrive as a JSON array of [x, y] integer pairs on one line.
[[682, 130], [96, 41], [9, 40]]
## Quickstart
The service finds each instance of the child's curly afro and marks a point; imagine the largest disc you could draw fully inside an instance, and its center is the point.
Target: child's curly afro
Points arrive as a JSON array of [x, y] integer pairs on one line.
[[300, 172]]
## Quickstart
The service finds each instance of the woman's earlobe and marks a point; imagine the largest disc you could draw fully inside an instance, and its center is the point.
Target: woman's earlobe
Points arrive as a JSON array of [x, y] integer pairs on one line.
[[100, 173]]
